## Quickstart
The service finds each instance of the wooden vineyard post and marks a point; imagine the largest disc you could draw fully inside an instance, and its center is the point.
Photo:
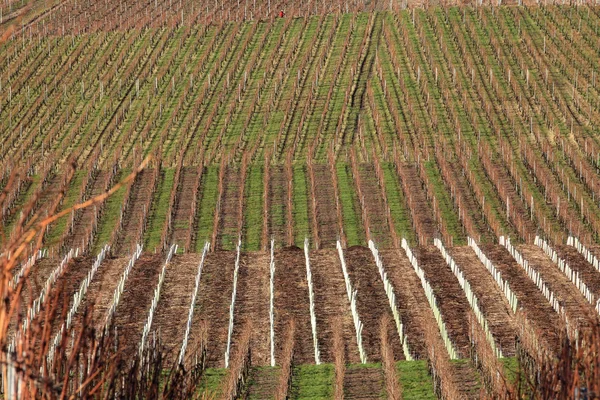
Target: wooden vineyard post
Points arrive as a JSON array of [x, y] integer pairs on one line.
[[388, 212], [240, 366], [486, 360], [313, 199], [440, 366], [266, 192], [221, 192], [242, 193], [392, 383], [339, 359], [289, 174], [336, 193], [361, 196], [285, 377]]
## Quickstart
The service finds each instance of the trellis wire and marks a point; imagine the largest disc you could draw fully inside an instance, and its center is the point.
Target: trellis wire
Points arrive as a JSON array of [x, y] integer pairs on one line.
[[496, 274], [311, 298], [77, 298], [157, 290], [431, 299], [358, 325], [469, 294], [391, 295], [232, 305], [188, 325]]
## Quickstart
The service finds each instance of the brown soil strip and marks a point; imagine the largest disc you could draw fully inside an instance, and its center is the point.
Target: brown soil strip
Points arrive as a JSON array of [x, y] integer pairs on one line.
[[292, 301], [578, 309], [132, 311], [466, 377], [102, 288], [364, 383], [578, 263], [326, 214], [68, 284], [174, 304], [410, 299], [228, 224], [85, 219], [470, 205], [449, 295], [376, 208], [547, 323], [492, 303], [183, 209], [331, 302], [595, 250], [262, 383], [423, 215], [212, 305], [133, 222], [252, 304], [372, 302]]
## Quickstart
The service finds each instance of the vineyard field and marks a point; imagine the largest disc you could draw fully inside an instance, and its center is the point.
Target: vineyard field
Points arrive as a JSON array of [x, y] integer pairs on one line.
[[360, 199]]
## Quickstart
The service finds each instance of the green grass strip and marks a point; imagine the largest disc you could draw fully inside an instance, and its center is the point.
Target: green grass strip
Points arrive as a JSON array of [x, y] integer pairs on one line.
[[397, 203], [312, 382], [158, 210], [415, 380], [210, 385], [209, 190], [350, 207], [71, 197], [110, 216]]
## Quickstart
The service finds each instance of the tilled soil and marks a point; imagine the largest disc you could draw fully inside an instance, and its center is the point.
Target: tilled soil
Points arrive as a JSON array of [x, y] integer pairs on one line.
[[252, 304], [171, 314], [331, 302], [292, 301], [228, 224], [85, 219], [326, 209], [183, 209], [376, 207], [587, 272], [133, 220], [423, 215], [449, 295], [410, 299], [132, 312], [102, 288], [471, 206], [364, 383], [262, 383], [212, 304], [467, 379], [531, 300], [576, 306], [372, 302], [491, 300], [68, 284]]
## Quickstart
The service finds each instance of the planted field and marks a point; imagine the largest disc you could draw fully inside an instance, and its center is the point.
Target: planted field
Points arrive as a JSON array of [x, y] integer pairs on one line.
[[354, 199]]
